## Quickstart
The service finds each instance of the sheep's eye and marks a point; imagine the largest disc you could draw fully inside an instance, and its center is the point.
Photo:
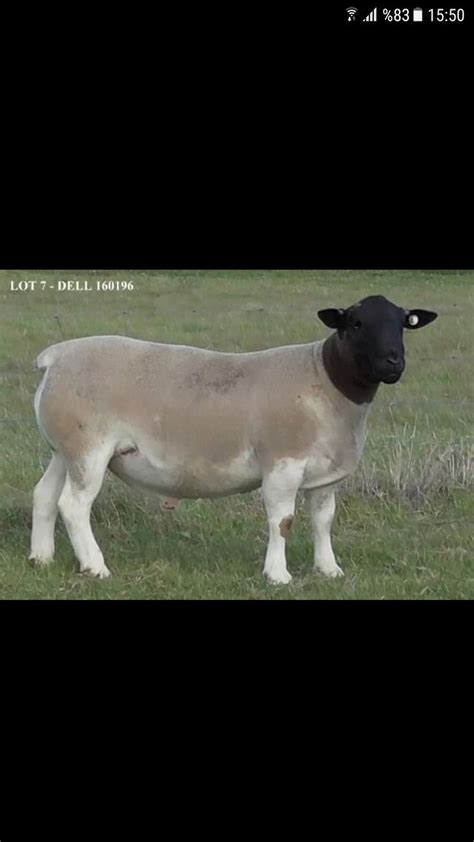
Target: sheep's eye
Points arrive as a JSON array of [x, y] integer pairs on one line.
[[356, 325]]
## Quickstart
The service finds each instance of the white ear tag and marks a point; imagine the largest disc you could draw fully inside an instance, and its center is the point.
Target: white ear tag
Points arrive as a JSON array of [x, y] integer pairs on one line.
[[413, 320]]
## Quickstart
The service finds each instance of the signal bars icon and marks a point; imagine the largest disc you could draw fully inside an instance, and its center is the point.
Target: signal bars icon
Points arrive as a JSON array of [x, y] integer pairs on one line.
[[372, 17]]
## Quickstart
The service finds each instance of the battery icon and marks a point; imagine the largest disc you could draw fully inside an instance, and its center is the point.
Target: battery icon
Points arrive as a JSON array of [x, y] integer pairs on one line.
[[418, 14]]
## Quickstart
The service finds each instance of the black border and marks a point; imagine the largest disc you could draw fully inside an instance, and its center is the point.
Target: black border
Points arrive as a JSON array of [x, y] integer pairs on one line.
[[354, 154]]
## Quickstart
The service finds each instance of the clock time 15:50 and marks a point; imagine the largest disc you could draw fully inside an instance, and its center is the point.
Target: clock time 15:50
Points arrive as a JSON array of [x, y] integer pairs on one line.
[[446, 15]]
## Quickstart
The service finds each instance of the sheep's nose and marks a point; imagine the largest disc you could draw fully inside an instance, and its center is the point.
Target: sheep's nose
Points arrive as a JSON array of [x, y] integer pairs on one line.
[[393, 358]]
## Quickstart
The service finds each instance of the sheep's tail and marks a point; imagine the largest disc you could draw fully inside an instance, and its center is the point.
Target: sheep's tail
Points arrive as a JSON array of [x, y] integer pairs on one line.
[[48, 356]]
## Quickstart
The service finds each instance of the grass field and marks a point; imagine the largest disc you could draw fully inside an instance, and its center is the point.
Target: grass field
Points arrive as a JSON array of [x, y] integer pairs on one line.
[[403, 527]]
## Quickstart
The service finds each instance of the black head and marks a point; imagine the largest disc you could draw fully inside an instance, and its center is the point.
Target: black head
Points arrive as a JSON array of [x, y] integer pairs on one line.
[[370, 336]]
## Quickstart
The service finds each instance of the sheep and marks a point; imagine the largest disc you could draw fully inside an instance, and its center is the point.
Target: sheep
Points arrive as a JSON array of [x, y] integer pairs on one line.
[[188, 422]]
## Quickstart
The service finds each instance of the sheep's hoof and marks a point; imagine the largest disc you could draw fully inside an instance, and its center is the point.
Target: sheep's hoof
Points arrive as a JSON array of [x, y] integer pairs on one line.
[[331, 573], [40, 561], [101, 573], [283, 578]]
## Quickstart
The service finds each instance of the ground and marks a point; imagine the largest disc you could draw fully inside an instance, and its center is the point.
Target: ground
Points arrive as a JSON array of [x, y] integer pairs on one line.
[[403, 527]]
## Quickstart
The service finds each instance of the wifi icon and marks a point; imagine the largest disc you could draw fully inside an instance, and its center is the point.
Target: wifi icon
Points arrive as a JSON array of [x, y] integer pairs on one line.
[[351, 13]]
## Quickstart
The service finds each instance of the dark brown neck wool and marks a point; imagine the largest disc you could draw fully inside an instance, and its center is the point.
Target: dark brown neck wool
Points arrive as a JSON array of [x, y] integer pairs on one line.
[[344, 374]]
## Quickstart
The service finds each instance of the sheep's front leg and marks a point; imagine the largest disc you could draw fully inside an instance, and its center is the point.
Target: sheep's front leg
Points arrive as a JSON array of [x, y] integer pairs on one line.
[[321, 506], [279, 490]]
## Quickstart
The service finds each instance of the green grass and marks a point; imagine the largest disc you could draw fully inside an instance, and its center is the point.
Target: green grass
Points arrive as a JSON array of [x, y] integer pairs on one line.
[[403, 528]]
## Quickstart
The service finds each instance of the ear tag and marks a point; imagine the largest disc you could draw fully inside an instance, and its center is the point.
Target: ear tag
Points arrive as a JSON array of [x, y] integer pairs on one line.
[[413, 320]]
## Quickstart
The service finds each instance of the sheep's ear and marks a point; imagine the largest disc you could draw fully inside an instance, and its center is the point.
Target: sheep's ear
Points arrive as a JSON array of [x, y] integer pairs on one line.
[[333, 318], [418, 318]]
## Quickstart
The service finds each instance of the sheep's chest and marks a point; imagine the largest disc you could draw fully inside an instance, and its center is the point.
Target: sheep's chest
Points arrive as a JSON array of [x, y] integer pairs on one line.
[[336, 452]]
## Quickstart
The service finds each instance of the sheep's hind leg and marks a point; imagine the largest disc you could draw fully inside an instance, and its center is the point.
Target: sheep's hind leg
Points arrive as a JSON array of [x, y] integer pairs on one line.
[[83, 483], [45, 509]]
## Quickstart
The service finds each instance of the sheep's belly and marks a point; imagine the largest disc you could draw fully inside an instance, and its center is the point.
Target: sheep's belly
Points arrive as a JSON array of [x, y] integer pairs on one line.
[[193, 479]]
